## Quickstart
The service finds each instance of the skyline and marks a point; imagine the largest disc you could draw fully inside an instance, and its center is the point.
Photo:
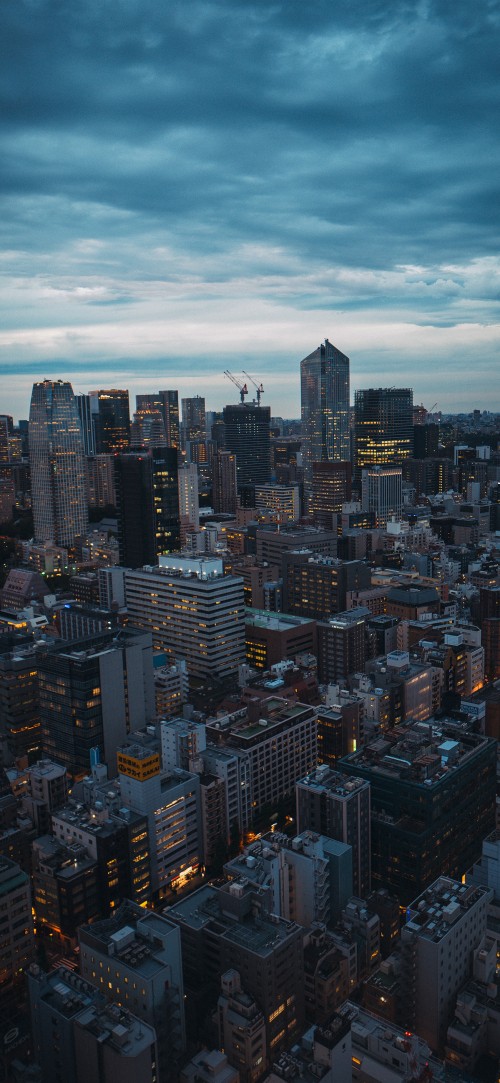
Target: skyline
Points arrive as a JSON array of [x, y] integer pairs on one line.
[[221, 186]]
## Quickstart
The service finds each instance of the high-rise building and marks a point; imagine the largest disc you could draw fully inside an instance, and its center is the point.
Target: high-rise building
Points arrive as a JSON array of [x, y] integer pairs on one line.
[[100, 480], [189, 504], [93, 692], [331, 488], [443, 927], [57, 464], [224, 482], [194, 612], [19, 707], [332, 805], [166, 499], [135, 509], [383, 426], [194, 423], [113, 420], [86, 415], [170, 401], [248, 436], [432, 787], [382, 492], [228, 927], [324, 378]]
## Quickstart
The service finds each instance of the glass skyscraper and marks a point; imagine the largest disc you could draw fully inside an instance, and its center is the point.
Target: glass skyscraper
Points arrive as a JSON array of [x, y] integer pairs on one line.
[[324, 384], [383, 426], [57, 464]]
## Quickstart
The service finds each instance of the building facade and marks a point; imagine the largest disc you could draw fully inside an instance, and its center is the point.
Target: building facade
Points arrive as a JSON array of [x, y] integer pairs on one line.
[[58, 490]]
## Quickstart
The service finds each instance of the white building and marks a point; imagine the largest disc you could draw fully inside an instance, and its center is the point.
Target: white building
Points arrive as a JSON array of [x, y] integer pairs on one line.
[[199, 616], [444, 925]]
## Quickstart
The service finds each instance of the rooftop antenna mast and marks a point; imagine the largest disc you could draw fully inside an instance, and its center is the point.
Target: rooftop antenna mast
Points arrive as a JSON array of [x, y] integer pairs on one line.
[[243, 389], [258, 387]]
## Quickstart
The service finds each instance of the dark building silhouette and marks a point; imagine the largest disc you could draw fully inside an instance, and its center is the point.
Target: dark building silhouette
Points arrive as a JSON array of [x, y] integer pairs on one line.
[[112, 420], [135, 509], [425, 441], [248, 429], [224, 482]]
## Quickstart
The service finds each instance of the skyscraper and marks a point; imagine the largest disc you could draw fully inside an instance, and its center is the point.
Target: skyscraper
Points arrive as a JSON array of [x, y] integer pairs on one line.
[[193, 418], [224, 482], [170, 400], [383, 426], [324, 377], [135, 509], [166, 499], [57, 464], [248, 436], [113, 420]]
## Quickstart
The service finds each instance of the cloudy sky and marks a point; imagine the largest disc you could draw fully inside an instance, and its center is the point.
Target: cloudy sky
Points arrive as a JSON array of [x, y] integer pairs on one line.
[[194, 185]]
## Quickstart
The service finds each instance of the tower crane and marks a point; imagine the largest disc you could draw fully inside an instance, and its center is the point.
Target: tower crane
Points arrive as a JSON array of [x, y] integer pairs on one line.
[[242, 388], [258, 387]]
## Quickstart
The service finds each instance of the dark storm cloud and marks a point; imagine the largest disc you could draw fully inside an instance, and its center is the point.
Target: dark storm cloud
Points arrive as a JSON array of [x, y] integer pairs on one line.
[[321, 156]]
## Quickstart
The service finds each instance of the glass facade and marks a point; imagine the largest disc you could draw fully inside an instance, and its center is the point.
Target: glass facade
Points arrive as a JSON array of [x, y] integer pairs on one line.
[[324, 377], [57, 464]]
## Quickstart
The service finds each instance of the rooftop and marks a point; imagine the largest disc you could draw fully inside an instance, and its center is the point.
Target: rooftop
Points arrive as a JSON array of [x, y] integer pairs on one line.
[[443, 903]]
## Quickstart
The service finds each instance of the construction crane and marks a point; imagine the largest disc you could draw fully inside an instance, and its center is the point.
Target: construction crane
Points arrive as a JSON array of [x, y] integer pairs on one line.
[[242, 388], [258, 387]]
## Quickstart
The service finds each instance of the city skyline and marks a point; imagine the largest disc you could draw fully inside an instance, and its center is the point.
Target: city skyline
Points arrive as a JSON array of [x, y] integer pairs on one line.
[[186, 184]]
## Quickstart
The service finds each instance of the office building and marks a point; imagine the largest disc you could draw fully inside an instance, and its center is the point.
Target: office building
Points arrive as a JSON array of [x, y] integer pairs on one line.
[[135, 509], [134, 959], [342, 645], [189, 503], [432, 799], [282, 501], [226, 928], [248, 437], [317, 586], [93, 692], [86, 416], [383, 426], [340, 725], [425, 441], [170, 405], [148, 427], [382, 493], [164, 462], [112, 420], [65, 887], [117, 841], [276, 746], [194, 424], [331, 488], [56, 999], [443, 927], [100, 481], [225, 486], [57, 464], [272, 637], [193, 612], [324, 379], [171, 802], [19, 704], [332, 805]]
